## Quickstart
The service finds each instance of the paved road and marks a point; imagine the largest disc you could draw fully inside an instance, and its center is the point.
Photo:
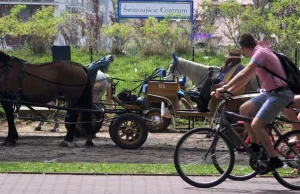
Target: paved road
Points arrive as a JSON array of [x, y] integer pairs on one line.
[[127, 184]]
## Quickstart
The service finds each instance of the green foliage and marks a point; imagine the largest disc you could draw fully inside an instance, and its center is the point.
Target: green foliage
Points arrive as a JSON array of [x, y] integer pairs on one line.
[[68, 26], [12, 24], [231, 12], [42, 28], [120, 34], [253, 22], [284, 17]]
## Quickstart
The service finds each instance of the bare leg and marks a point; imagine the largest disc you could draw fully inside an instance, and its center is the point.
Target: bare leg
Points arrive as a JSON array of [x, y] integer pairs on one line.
[[248, 109], [292, 115], [258, 126]]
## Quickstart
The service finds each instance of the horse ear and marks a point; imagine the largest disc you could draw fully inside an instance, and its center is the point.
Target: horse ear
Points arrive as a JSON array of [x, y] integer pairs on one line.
[[175, 57]]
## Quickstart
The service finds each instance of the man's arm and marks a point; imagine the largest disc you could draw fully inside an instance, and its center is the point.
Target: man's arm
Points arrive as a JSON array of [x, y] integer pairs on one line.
[[242, 78]]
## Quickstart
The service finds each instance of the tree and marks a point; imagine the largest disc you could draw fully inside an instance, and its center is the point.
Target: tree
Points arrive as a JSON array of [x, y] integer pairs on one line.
[[69, 27], [12, 24], [204, 18], [230, 13], [284, 20], [113, 14], [120, 34], [42, 29]]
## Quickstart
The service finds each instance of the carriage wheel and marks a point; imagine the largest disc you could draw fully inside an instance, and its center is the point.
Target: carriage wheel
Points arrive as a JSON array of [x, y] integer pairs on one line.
[[79, 131], [129, 131], [155, 122]]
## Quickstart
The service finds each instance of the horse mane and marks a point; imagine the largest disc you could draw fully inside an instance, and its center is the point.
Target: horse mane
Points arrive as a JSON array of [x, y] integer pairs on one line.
[[4, 57], [195, 71]]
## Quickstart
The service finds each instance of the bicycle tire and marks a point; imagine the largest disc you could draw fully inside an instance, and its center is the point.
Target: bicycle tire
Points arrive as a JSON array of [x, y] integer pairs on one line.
[[236, 169], [278, 173], [192, 152]]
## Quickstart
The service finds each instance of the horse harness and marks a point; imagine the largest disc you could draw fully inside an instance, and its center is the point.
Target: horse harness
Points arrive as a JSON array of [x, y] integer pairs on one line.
[[19, 94]]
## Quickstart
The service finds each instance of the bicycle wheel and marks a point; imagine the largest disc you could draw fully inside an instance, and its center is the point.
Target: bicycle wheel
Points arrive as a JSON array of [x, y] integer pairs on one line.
[[193, 159], [289, 153], [241, 170]]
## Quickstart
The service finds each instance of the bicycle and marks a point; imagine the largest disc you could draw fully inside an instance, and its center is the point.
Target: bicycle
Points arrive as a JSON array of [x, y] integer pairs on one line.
[[218, 152]]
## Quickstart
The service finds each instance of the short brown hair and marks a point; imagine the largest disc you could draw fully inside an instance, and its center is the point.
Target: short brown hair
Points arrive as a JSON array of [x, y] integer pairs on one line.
[[247, 41]]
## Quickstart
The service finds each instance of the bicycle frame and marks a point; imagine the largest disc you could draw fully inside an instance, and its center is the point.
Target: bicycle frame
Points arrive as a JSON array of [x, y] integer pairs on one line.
[[222, 124]]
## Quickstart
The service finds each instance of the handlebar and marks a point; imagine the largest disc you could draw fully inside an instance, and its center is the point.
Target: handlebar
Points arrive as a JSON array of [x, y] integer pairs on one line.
[[227, 97]]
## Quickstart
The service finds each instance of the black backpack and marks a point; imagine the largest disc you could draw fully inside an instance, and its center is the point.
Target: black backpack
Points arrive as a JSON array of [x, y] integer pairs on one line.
[[291, 70]]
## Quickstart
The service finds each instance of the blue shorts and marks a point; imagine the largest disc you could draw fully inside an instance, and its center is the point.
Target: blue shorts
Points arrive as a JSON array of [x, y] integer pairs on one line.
[[269, 104]]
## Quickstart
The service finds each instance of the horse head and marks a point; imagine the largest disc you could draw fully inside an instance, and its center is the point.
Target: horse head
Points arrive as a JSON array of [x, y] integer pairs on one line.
[[195, 71], [172, 70]]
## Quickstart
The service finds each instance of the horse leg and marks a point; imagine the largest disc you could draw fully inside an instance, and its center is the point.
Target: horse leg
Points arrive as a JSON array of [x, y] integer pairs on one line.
[[73, 115], [55, 116], [90, 134], [39, 126], [56, 125], [12, 136]]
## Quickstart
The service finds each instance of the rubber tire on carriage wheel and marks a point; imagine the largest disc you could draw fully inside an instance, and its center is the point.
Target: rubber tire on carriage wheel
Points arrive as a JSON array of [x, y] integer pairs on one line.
[[129, 131], [158, 124], [79, 132], [109, 130]]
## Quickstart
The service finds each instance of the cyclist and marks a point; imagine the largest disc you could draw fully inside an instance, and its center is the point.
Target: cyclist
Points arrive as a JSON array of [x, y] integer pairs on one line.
[[268, 104]]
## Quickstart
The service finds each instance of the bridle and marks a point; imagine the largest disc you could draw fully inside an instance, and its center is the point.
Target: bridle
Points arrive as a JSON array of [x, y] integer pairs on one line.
[[173, 68]]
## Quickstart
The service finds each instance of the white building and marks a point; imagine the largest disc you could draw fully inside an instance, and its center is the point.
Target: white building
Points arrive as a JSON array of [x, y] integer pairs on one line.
[[79, 6]]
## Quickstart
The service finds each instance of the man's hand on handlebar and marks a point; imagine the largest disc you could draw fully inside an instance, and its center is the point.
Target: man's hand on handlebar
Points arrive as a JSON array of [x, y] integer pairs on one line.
[[220, 92]]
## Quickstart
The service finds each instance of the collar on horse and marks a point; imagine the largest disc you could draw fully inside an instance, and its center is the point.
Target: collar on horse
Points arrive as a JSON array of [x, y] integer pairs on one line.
[[19, 94]]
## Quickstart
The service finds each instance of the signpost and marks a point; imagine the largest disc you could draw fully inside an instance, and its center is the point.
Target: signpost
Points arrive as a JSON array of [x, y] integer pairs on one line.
[[157, 8]]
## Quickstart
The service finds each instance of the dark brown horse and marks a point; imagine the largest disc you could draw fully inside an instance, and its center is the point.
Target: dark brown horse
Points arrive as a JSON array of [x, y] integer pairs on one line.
[[42, 83]]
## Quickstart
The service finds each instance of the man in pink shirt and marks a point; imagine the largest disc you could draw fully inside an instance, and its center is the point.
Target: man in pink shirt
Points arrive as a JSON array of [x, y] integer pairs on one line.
[[267, 105]]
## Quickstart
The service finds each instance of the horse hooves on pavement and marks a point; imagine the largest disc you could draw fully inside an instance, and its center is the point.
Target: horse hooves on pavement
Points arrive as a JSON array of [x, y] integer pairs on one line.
[[9, 143], [64, 144], [89, 143], [67, 144]]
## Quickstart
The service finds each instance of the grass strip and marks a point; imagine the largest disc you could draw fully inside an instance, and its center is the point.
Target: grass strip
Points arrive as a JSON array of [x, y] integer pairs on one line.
[[101, 168], [105, 168], [115, 168]]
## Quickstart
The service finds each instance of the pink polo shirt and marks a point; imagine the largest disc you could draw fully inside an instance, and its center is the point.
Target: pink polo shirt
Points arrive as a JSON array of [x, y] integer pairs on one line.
[[265, 57]]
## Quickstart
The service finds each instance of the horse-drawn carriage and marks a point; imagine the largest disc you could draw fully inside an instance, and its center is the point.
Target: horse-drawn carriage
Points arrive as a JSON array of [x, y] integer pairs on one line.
[[35, 86]]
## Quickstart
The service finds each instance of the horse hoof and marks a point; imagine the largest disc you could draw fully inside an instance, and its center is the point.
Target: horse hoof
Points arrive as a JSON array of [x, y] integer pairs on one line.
[[38, 129], [54, 130], [89, 143], [9, 143], [64, 144]]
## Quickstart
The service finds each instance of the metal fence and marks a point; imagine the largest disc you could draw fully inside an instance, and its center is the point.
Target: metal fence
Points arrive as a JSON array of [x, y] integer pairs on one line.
[[206, 55], [86, 56]]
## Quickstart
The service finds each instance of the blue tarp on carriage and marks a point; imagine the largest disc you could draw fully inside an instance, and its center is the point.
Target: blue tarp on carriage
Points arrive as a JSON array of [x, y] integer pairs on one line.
[[102, 65]]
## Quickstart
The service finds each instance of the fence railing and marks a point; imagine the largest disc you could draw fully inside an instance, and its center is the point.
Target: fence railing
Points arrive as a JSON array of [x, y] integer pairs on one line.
[[142, 60]]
